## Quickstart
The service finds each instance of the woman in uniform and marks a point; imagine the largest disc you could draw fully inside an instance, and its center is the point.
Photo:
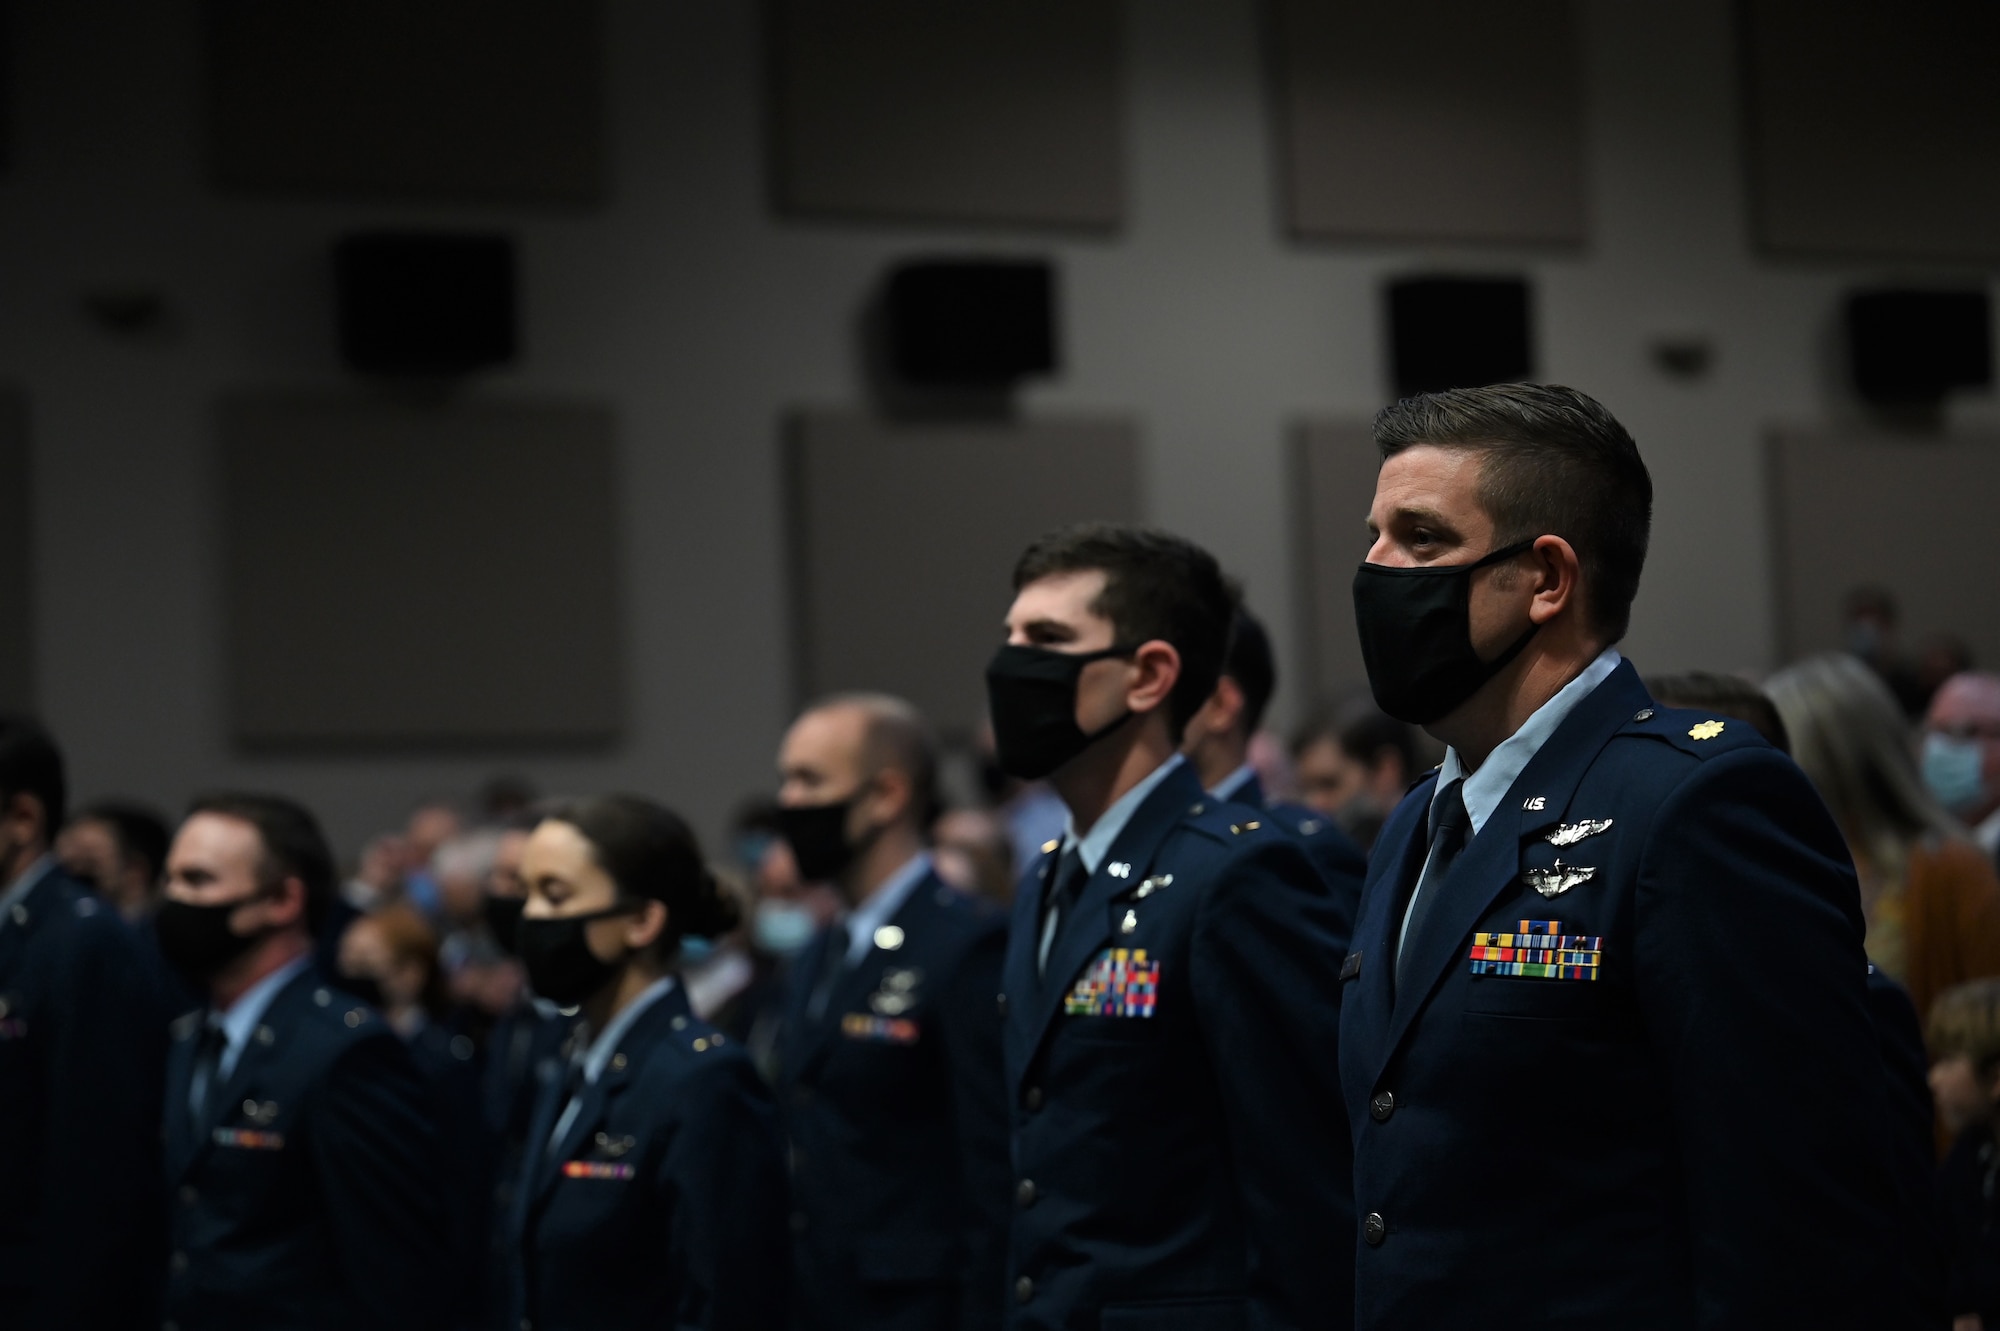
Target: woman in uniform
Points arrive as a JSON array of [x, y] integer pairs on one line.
[[653, 1193]]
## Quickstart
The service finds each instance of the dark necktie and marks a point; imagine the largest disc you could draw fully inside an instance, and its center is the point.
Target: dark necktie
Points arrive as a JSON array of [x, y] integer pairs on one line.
[[1065, 886], [1451, 828], [207, 1070]]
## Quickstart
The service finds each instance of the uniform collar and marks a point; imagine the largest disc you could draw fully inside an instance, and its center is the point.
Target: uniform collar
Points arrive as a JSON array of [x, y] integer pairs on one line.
[[1094, 846], [18, 890], [881, 907], [606, 1044], [1229, 786], [242, 1016], [1485, 788]]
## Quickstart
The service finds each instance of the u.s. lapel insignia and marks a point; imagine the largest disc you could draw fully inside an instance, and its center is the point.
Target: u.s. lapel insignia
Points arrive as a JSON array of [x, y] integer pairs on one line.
[[1119, 869], [889, 937], [1568, 834], [1705, 730], [1554, 882]]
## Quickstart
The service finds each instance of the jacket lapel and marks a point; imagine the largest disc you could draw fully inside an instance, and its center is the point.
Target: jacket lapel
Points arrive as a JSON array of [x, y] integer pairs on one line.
[[1081, 932], [1398, 856], [27, 918], [596, 1098], [180, 1146], [803, 1035], [853, 982], [1489, 866], [1021, 983]]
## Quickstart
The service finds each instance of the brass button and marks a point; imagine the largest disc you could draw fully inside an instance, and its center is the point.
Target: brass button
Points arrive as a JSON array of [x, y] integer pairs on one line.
[[1024, 1289], [1024, 1193], [1033, 1099], [1383, 1105], [1374, 1229], [1002, 1001]]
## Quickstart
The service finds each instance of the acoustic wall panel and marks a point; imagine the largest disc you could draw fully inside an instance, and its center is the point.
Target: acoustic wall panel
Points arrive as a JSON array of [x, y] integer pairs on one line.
[[948, 110], [405, 576], [454, 99], [1874, 129], [904, 539], [1333, 469], [1855, 510], [1456, 120], [17, 514]]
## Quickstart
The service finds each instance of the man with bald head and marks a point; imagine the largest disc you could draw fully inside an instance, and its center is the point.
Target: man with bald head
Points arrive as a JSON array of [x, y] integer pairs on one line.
[[890, 1072], [1962, 752]]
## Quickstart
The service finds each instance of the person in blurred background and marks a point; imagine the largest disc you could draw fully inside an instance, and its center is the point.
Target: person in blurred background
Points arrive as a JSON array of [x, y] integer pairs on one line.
[[431, 824], [120, 849], [1727, 695], [975, 854], [83, 1026], [1353, 762], [1961, 754], [1931, 897], [653, 1193], [389, 959], [1871, 633], [301, 1147], [1965, 1078], [1217, 743], [889, 1081]]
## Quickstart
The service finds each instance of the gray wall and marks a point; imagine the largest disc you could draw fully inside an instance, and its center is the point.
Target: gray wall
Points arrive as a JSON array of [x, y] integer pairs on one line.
[[700, 320]]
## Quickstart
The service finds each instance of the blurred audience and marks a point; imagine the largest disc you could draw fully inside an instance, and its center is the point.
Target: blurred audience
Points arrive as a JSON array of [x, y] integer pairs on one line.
[[1871, 633], [1354, 762], [974, 854], [1930, 895], [119, 848], [1965, 1077], [1961, 753], [1726, 695]]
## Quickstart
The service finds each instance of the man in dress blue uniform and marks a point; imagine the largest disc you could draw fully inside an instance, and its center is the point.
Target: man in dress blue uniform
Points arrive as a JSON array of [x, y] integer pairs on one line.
[[1171, 979], [300, 1152], [889, 1081], [1218, 744], [1607, 1050], [83, 1033]]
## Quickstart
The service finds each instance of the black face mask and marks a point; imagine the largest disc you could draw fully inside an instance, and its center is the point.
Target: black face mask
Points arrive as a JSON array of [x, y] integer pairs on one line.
[[1416, 636], [367, 988], [503, 921], [197, 940], [1031, 695], [817, 834], [561, 966]]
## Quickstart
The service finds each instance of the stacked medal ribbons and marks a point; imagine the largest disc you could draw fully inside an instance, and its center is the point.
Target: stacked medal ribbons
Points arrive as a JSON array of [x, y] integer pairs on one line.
[[1119, 983], [1540, 951]]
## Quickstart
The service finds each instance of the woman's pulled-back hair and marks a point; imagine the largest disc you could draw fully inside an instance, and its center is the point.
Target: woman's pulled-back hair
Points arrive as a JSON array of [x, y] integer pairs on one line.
[[651, 854]]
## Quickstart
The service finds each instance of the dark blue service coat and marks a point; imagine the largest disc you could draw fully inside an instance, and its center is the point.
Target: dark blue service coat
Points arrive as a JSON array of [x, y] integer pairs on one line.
[[1696, 1135], [664, 1203], [1332, 851], [312, 1197], [83, 1037], [1172, 1082], [892, 1099]]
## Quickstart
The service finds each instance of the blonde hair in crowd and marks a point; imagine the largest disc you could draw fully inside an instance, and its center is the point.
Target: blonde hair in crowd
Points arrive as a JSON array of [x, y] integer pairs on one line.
[[1965, 1020]]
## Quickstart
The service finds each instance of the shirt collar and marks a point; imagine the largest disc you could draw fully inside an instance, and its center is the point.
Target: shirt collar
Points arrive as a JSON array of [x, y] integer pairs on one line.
[[882, 906], [1227, 788], [606, 1044], [1485, 788], [18, 890], [1093, 847], [242, 1016]]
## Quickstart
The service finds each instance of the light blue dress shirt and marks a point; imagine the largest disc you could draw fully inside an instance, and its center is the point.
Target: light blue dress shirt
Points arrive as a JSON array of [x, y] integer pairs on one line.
[[881, 907], [238, 1023]]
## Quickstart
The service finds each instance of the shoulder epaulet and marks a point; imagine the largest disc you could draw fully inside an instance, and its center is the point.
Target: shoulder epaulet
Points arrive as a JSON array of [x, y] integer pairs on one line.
[[1702, 734], [1227, 822], [1424, 776], [344, 1012], [696, 1035]]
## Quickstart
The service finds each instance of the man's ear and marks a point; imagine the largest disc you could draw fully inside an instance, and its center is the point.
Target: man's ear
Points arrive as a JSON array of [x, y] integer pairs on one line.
[[288, 906], [1157, 668], [893, 791], [1558, 575], [25, 807]]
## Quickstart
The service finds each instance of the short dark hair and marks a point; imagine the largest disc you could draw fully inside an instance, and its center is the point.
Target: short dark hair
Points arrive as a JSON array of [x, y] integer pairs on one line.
[[895, 735], [1156, 586], [31, 764], [651, 854], [1253, 667], [1556, 463], [1730, 695], [294, 846], [140, 833], [1363, 731]]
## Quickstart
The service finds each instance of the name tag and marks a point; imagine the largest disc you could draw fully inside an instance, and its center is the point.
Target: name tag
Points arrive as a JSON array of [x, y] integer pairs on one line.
[[598, 1169], [879, 1030], [1121, 982], [249, 1139]]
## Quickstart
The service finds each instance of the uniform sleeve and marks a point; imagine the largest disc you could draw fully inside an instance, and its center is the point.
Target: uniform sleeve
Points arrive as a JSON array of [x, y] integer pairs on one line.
[[102, 1206], [375, 1152], [725, 1172], [1266, 976], [979, 1105], [1751, 979]]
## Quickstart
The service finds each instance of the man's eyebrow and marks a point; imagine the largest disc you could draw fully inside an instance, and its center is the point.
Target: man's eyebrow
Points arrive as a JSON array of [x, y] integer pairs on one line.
[[1053, 628], [1428, 516]]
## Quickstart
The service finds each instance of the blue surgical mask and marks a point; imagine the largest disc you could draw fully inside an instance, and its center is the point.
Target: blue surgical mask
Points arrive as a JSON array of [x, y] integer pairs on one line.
[[694, 950], [1952, 770], [782, 929]]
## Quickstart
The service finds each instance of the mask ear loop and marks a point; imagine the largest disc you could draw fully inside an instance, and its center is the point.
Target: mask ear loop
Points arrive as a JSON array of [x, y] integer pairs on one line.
[[1520, 644]]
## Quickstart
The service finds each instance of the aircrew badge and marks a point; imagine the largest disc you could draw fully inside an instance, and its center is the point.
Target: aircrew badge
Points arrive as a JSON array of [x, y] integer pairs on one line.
[[898, 993], [1121, 982], [1554, 882], [1568, 834]]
